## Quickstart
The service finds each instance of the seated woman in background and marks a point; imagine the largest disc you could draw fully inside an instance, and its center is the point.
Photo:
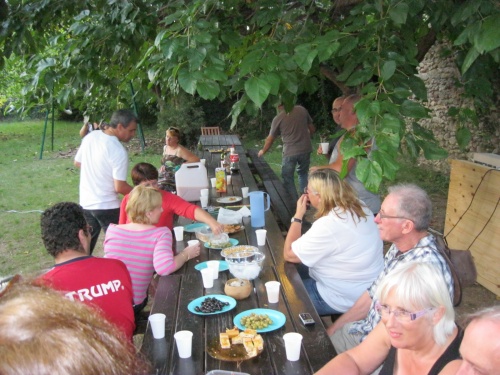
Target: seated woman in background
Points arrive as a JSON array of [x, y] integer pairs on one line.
[[342, 251], [173, 156], [146, 174], [417, 334], [143, 247], [41, 332]]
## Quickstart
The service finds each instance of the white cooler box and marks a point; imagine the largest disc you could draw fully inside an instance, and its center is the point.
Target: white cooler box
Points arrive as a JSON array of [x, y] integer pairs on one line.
[[190, 179]]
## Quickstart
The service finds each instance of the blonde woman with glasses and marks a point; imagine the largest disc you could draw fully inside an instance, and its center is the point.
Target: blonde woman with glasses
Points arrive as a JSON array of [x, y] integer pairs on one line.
[[341, 255], [417, 334], [174, 155]]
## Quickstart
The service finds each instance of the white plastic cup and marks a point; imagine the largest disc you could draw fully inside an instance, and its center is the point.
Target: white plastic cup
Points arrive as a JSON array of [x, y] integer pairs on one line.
[[208, 277], [214, 266], [229, 178], [204, 201], [324, 147], [261, 237], [273, 291], [204, 192], [193, 242], [203, 161], [213, 180], [179, 233], [244, 191], [157, 322], [184, 341], [293, 341]]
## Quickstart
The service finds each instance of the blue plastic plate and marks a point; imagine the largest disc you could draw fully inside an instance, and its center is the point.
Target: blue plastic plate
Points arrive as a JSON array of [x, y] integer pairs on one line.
[[220, 297], [223, 266], [233, 241], [195, 227], [277, 317]]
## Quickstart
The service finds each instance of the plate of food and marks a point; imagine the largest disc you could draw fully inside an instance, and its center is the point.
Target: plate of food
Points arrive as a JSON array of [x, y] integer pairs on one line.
[[195, 227], [212, 304], [260, 320], [235, 345], [233, 228], [216, 150], [223, 266], [238, 249], [230, 199], [220, 246]]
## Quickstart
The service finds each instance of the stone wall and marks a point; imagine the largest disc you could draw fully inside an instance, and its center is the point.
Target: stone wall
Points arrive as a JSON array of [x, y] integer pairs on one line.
[[440, 75]]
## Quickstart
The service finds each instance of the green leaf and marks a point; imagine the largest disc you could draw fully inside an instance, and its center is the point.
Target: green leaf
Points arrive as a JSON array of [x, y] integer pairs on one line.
[[488, 37], [421, 132], [411, 146], [463, 137], [387, 162], [401, 92], [431, 150], [417, 86], [413, 109], [196, 57], [159, 37], [472, 55], [399, 13], [369, 172], [231, 38], [326, 50], [304, 56], [215, 74], [187, 81], [236, 109], [388, 70], [257, 90], [203, 37], [359, 77], [347, 45], [208, 90], [274, 80], [251, 62]]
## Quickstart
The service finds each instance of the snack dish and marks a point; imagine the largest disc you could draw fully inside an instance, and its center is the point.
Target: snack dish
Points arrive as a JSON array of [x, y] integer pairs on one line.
[[233, 345], [238, 249], [215, 246], [221, 297], [233, 228], [277, 317], [231, 199]]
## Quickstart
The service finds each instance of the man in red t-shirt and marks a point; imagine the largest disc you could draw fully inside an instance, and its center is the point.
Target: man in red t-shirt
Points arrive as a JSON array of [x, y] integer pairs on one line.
[[98, 282]]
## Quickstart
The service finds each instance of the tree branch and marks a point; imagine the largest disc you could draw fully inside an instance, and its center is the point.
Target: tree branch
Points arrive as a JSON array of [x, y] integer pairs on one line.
[[332, 76]]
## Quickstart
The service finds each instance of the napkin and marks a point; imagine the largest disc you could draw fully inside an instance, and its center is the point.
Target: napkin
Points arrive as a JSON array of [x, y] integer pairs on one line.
[[232, 217]]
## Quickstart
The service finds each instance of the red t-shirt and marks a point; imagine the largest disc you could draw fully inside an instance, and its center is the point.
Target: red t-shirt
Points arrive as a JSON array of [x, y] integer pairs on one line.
[[171, 204], [100, 282]]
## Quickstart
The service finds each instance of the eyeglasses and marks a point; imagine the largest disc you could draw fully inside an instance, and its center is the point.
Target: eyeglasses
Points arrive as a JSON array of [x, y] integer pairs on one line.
[[400, 315], [88, 229], [384, 216]]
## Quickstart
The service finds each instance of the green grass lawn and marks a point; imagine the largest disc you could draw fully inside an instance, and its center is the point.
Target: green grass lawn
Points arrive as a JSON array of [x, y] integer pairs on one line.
[[29, 185]]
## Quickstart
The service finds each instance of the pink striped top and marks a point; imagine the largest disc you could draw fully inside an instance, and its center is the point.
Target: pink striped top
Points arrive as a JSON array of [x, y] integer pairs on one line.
[[143, 252]]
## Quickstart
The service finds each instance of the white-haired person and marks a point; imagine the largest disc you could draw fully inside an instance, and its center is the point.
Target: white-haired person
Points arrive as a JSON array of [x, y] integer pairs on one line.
[[417, 333], [480, 347]]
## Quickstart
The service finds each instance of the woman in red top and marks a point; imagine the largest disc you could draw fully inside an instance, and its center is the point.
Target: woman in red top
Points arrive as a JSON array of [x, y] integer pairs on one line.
[[146, 174]]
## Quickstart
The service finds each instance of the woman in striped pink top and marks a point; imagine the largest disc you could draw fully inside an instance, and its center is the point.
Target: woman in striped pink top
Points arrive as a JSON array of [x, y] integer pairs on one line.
[[143, 247]]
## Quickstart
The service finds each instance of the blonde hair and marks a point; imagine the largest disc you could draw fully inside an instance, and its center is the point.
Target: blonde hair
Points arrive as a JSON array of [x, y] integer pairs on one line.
[[334, 192], [41, 332], [142, 199]]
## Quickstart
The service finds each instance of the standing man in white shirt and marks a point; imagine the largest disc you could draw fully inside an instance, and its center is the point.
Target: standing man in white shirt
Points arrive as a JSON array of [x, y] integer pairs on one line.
[[103, 162]]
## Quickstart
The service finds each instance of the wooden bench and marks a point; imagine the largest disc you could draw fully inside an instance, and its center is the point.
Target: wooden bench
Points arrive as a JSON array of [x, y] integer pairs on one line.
[[282, 204]]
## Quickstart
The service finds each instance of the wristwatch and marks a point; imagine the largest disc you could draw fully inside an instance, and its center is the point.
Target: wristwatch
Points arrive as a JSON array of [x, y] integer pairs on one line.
[[295, 220]]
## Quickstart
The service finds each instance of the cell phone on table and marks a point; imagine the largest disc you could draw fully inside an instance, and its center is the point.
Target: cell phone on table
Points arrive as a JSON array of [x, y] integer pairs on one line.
[[306, 319]]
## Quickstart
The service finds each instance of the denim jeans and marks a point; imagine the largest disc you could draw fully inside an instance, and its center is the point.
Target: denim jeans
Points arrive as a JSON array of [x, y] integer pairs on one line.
[[100, 219], [290, 163], [321, 306]]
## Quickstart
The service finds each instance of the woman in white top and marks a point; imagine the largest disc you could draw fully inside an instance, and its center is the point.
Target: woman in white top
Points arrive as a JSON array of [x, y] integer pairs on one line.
[[342, 251]]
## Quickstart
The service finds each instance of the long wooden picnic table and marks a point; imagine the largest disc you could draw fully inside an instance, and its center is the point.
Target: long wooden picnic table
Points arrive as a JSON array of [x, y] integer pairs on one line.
[[174, 292]]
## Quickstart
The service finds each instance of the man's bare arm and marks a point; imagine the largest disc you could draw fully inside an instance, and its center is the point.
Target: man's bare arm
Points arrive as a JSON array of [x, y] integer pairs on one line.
[[122, 187]]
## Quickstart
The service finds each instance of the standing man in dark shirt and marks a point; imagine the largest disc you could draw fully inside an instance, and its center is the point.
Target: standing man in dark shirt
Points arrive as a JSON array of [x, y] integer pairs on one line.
[[296, 129]]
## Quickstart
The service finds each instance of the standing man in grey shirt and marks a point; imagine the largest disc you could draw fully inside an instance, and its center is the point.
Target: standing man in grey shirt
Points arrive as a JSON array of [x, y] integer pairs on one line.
[[296, 129]]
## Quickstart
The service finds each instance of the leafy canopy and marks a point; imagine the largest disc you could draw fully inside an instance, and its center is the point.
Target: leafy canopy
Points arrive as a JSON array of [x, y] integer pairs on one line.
[[85, 53]]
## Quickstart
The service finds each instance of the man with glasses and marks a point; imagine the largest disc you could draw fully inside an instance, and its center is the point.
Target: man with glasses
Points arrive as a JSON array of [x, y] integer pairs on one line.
[[103, 163], [99, 282], [403, 220]]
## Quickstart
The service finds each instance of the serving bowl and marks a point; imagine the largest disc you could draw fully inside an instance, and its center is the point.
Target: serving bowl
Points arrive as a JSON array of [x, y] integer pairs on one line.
[[245, 264], [238, 288]]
